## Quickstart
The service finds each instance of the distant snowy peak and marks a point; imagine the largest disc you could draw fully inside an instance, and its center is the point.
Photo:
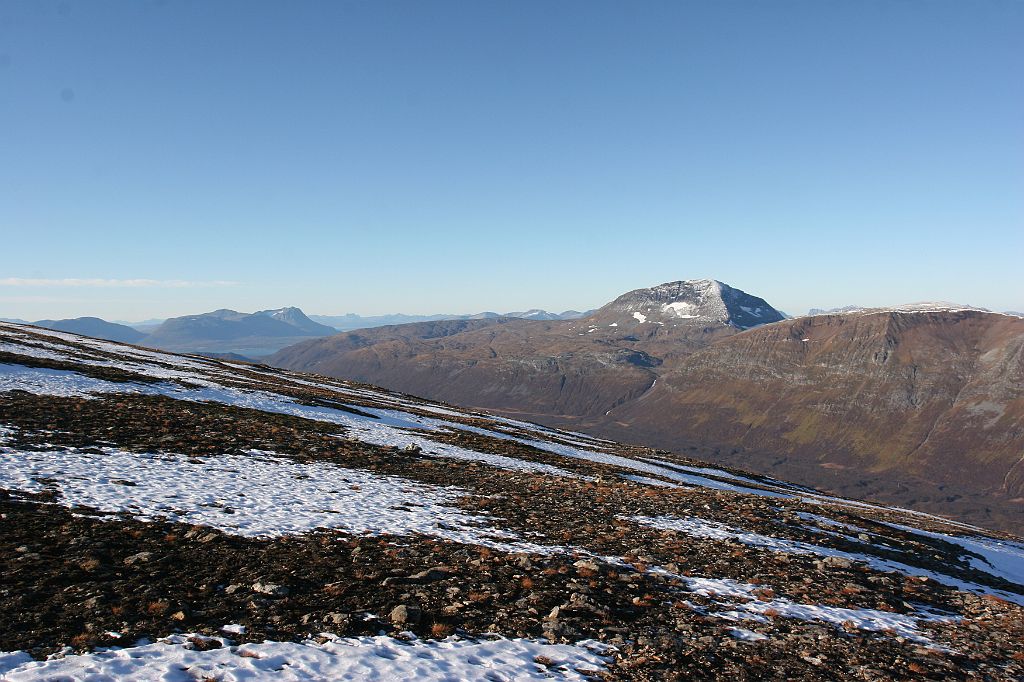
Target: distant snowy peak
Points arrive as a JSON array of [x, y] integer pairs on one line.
[[538, 314], [296, 318], [284, 314], [701, 301], [834, 311], [535, 314], [920, 307]]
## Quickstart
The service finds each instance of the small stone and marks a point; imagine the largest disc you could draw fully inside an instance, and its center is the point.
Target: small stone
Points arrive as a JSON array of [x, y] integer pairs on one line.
[[141, 557], [430, 575], [834, 562], [270, 589], [404, 614], [204, 643]]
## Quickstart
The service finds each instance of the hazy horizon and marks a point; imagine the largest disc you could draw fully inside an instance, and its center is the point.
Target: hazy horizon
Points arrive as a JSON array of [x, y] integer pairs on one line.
[[498, 309], [178, 157]]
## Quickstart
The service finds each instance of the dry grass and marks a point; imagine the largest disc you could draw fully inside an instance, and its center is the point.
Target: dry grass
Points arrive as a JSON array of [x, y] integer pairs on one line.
[[156, 608]]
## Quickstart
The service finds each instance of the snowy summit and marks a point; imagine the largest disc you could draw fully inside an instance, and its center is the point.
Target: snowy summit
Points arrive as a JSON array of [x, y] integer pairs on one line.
[[692, 302]]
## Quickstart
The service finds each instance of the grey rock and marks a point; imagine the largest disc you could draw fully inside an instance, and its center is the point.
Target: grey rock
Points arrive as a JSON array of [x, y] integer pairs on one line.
[[141, 557], [270, 589], [403, 613]]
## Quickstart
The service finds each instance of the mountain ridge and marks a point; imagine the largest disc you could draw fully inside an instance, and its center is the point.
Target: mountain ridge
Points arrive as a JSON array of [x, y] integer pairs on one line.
[[617, 375]]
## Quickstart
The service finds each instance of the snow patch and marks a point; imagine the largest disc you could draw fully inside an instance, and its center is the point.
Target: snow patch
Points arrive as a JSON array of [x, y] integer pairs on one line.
[[258, 495], [713, 530], [681, 309], [1000, 558], [389, 428], [743, 602], [745, 635], [648, 481], [385, 659]]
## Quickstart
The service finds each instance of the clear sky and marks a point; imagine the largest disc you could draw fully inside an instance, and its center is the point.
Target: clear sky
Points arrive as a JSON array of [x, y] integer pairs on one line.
[[166, 158]]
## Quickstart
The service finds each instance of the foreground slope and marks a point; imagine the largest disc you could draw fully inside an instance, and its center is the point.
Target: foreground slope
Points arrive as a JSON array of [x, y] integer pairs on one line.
[[217, 520]]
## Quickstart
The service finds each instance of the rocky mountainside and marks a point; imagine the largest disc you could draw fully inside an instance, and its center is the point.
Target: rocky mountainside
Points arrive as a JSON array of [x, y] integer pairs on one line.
[[581, 367], [694, 302], [94, 327], [171, 517], [227, 331], [918, 405]]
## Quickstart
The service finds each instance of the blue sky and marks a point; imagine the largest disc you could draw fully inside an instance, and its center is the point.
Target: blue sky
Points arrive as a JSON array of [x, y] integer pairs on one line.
[[165, 158]]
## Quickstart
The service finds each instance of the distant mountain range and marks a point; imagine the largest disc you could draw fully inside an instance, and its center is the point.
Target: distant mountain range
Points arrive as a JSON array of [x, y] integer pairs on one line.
[[230, 334], [920, 405], [228, 331], [222, 333], [352, 321], [923, 306]]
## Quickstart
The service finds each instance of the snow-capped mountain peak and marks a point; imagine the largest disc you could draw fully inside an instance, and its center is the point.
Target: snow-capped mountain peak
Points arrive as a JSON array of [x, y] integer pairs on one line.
[[700, 301]]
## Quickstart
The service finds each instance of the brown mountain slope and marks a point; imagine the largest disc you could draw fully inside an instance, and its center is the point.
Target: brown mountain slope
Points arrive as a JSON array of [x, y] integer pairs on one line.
[[919, 408], [515, 365], [908, 399]]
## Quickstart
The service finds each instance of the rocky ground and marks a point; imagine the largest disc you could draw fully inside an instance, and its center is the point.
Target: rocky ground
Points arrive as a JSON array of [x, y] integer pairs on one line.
[[136, 504]]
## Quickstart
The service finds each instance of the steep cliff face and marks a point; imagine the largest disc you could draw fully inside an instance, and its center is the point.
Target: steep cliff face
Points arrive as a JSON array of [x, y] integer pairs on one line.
[[937, 394]]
